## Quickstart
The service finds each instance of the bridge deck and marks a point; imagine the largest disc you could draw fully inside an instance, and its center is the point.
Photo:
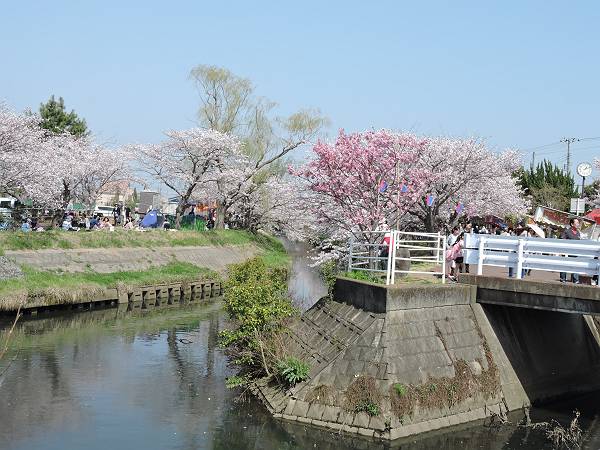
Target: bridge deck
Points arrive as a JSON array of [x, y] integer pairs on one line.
[[534, 293]]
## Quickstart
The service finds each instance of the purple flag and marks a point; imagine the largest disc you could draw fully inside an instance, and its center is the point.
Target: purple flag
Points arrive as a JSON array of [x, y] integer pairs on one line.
[[383, 186]]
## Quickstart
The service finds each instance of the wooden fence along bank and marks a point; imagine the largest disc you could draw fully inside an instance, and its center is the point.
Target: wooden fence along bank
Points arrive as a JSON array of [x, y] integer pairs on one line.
[[145, 297]]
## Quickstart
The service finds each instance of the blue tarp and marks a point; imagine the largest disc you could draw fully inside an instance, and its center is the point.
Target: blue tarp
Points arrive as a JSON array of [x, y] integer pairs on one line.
[[149, 220]]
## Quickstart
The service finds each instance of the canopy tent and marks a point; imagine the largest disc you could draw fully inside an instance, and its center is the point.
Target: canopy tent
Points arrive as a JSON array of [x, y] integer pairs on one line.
[[560, 219], [150, 219], [594, 215]]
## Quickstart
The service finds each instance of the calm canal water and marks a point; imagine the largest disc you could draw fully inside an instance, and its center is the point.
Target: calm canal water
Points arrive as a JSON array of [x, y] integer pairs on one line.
[[113, 380]]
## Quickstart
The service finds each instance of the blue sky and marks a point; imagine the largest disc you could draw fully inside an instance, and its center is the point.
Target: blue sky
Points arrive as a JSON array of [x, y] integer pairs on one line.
[[521, 74]]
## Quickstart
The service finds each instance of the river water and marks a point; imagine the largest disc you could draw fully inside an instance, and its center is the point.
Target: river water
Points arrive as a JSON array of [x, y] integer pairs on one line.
[[109, 379]]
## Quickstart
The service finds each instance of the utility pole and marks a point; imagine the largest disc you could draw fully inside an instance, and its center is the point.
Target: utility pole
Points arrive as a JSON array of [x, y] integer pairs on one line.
[[568, 141]]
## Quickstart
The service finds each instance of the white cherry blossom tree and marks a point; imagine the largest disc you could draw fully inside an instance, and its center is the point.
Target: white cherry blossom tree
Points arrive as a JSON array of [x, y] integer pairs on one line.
[[187, 161]]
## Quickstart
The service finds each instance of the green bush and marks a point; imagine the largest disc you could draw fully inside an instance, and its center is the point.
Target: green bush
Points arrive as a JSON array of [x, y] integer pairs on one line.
[[293, 370], [328, 271], [400, 389], [236, 381], [257, 303]]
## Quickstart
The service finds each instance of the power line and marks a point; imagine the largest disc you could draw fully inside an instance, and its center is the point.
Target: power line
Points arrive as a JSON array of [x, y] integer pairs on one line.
[[541, 146]]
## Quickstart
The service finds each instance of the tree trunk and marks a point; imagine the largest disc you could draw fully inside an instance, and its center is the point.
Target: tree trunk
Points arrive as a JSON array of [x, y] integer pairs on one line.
[[178, 213], [430, 222], [220, 219]]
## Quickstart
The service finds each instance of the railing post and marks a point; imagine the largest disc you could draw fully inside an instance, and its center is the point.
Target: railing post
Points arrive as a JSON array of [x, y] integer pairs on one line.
[[388, 274], [393, 253], [350, 255], [443, 259], [437, 255], [480, 255], [520, 260]]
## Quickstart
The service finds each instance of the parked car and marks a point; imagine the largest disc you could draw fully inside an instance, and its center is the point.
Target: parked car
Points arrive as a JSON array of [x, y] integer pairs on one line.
[[102, 211]]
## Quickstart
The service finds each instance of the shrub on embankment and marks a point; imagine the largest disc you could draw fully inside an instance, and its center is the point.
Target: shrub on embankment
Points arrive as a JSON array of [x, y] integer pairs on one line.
[[258, 306]]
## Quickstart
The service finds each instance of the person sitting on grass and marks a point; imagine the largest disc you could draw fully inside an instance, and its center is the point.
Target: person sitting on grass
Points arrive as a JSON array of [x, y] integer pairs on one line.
[[26, 226], [67, 225], [129, 225]]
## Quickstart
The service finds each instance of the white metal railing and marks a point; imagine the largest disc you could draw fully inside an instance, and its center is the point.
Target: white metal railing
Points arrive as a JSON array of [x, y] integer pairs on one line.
[[375, 253], [524, 253]]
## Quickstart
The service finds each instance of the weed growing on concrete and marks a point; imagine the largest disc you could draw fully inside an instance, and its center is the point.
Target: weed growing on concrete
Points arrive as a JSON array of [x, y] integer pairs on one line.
[[292, 370], [323, 394], [445, 392], [560, 436], [363, 395], [363, 276], [400, 389]]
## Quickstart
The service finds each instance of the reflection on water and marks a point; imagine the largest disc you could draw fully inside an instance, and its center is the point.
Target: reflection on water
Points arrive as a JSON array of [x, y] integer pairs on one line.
[[108, 379], [305, 285], [104, 379]]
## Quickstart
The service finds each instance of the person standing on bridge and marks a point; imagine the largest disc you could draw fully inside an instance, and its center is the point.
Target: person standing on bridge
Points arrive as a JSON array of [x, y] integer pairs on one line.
[[571, 233]]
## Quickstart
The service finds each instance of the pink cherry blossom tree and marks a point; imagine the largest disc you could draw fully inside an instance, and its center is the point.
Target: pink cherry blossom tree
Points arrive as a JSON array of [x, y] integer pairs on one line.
[[364, 178], [469, 180]]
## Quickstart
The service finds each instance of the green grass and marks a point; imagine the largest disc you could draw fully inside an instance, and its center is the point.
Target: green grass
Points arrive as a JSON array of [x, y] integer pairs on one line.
[[124, 238], [53, 287], [371, 277], [60, 287]]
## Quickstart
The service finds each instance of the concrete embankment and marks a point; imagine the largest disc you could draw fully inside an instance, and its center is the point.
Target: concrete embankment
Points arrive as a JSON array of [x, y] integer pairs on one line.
[[70, 290], [131, 298], [394, 361], [107, 260]]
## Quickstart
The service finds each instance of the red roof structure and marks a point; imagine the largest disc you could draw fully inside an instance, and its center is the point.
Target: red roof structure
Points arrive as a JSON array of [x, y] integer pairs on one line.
[[594, 215]]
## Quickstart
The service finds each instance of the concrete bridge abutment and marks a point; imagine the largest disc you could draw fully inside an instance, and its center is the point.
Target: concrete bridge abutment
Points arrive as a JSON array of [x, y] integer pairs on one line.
[[393, 361]]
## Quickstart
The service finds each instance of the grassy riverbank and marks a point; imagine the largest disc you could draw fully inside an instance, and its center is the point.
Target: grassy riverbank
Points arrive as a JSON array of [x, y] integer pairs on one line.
[[58, 239], [55, 287]]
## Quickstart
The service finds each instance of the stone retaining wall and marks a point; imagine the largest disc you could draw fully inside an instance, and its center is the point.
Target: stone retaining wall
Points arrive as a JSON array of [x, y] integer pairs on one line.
[[144, 297]]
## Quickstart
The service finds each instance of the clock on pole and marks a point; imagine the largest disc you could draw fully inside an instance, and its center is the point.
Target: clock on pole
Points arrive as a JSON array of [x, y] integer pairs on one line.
[[584, 169]]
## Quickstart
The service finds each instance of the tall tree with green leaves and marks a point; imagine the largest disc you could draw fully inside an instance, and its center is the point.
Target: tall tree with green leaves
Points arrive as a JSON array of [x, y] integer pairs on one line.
[[56, 119], [548, 185], [230, 105]]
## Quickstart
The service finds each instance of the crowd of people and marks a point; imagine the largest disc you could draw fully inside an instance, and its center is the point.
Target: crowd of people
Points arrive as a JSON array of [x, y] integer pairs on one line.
[[120, 217], [455, 244], [76, 221]]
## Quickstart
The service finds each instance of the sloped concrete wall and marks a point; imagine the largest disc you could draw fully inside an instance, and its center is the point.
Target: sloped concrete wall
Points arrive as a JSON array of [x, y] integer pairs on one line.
[[418, 336], [106, 260]]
